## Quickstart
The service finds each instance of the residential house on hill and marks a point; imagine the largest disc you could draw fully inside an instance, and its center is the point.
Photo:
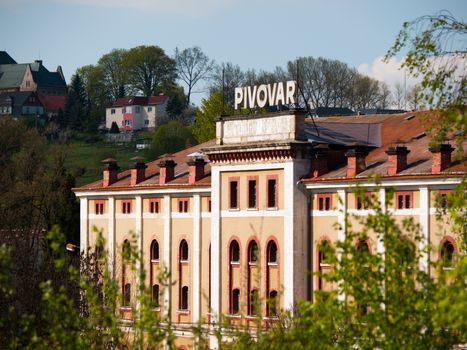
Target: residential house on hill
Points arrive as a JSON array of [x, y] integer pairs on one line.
[[20, 103], [33, 77], [136, 112]]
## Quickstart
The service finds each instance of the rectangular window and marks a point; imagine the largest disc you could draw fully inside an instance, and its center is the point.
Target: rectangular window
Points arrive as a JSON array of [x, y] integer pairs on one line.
[[324, 201], [209, 204], [404, 200], [99, 207], [137, 109], [364, 203], [154, 206], [252, 193], [127, 122], [112, 111], [126, 206], [233, 193], [183, 205], [272, 192], [146, 122], [443, 198], [149, 109]]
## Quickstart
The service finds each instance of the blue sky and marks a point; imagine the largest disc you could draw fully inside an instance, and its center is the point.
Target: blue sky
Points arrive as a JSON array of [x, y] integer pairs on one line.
[[258, 34]]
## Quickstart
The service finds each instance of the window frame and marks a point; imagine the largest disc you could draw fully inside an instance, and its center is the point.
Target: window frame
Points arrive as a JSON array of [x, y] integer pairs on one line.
[[231, 253], [268, 253], [126, 206], [154, 205], [443, 198], [323, 197], [99, 207], [182, 258], [253, 193], [235, 180], [361, 205], [235, 296], [184, 298], [251, 254], [405, 194], [274, 178], [183, 205]]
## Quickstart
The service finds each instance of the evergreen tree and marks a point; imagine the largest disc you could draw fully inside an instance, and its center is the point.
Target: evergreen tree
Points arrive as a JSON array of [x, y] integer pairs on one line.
[[77, 106]]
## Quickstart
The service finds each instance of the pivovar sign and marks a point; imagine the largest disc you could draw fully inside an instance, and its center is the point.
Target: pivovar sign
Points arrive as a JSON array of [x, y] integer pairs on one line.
[[282, 93]]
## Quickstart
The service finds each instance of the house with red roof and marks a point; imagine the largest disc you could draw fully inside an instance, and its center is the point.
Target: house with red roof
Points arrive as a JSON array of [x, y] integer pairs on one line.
[[134, 113]]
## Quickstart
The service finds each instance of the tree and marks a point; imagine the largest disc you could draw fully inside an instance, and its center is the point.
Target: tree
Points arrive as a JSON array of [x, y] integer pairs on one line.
[[436, 52], [399, 96], [205, 124], [77, 106], [177, 99], [114, 128], [192, 67], [384, 96], [115, 74], [170, 138], [226, 78], [148, 68], [414, 97]]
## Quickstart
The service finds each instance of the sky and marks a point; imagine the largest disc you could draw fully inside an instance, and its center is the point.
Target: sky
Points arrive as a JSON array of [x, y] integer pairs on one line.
[[258, 34]]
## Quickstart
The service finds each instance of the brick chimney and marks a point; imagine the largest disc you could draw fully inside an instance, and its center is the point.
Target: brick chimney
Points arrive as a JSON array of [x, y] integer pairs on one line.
[[319, 165], [397, 159], [195, 169], [138, 171], [355, 162], [441, 157], [110, 173], [166, 171]]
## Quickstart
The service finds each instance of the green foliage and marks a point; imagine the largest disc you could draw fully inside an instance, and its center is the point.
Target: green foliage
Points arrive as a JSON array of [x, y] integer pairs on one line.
[[205, 124], [148, 68], [436, 52], [77, 106], [170, 138], [114, 128], [177, 101]]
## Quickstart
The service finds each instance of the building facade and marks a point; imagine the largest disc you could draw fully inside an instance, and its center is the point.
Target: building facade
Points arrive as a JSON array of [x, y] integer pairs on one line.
[[136, 112], [240, 220]]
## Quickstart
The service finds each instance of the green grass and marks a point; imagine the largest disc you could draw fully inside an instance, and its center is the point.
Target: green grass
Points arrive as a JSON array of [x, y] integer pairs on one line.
[[84, 159]]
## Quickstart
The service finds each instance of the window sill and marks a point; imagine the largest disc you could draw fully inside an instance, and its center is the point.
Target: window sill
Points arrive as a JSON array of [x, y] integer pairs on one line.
[[252, 209], [272, 208], [234, 316], [272, 264], [126, 308], [183, 312], [234, 209], [236, 263]]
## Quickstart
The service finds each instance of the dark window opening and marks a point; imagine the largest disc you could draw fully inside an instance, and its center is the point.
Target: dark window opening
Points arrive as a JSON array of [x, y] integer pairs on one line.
[[235, 306], [154, 206], [324, 201], [184, 298], [127, 294], [234, 252], [252, 194], [253, 252], [253, 303], [154, 250], [233, 194], [447, 254], [155, 295], [272, 252], [183, 251], [272, 193], [272, 303]]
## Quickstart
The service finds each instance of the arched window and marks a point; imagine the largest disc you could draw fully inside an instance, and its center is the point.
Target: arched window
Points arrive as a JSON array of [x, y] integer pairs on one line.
[[253, 252], [234, 252], [448, 251], [235, 303], [183, 250], [272, 303], [155, 294], [363, 247], [154, 251], [184, 298], [253, 303], [272, 252]]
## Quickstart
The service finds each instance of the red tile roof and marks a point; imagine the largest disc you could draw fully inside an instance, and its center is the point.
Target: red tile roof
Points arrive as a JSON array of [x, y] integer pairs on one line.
[[406, 129], [140, 100], [152, 173], [53, 103]]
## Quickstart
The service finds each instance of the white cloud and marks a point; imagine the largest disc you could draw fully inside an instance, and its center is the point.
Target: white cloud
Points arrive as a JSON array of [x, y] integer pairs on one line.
[[389, 72]]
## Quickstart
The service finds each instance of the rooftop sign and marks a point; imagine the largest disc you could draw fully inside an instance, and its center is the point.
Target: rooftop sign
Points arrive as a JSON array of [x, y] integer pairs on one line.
[[265, 95]]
